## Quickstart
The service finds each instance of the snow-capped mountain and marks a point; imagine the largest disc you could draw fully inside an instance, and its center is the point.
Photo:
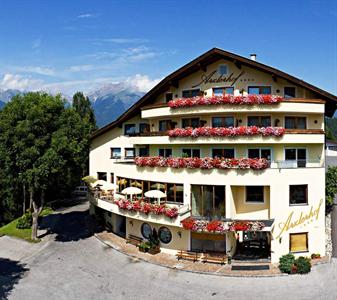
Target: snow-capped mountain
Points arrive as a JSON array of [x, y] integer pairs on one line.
[[110, 101]]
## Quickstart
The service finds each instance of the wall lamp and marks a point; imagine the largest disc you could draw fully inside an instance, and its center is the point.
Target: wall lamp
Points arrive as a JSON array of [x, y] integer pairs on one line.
[[179, 233], [131, 223]]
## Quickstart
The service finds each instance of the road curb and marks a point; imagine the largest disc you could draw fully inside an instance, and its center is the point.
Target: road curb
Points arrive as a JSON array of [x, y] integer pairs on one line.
[[107, 243]]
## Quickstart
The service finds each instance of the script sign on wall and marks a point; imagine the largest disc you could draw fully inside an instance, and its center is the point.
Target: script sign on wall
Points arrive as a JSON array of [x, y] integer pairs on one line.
[[212, 78], [303, 219]]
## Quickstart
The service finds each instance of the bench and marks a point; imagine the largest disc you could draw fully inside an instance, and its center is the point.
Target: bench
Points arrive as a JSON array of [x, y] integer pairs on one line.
[[188, 255], [218, 259], [134, 240]]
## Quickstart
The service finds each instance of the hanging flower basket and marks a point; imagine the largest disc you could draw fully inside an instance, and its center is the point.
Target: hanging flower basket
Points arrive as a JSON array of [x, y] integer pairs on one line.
[[225, 99]]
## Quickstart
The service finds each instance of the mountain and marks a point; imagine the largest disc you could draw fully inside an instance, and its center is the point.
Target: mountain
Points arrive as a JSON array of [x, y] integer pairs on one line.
[[110, 101], [6, 95]]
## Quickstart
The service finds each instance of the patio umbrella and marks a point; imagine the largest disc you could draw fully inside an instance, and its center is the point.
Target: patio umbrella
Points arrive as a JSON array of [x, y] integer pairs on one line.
[[179, 188], [108, 186], [158, 186], [99, 183], [155, 194], [136, 183], [132, 191]]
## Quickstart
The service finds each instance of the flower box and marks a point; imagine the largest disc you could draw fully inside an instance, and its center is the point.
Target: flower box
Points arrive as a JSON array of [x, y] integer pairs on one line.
[[225, 99]]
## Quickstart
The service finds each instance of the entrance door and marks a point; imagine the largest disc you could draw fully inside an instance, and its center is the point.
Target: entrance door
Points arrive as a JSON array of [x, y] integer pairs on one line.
[[255, 245], [121, 226], [201, 242]]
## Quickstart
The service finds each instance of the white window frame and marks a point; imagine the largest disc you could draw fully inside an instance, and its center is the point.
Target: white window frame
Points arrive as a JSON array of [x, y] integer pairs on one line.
[[190, 148]]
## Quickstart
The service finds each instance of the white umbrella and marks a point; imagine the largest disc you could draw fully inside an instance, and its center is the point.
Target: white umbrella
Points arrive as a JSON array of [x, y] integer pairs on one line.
[[155, 194], [99, 182], [132, 191], [179, 188], [108, 186]]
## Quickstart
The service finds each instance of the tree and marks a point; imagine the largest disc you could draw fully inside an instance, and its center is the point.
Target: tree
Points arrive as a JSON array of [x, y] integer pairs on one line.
[[330, 187], [82, 106], [42, 148]]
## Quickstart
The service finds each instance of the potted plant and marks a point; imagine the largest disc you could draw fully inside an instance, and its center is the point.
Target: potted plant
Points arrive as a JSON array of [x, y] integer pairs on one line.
[[154, 242], [144, 247]]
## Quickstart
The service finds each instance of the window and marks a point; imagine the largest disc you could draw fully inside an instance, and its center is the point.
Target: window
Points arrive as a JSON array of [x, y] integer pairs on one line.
[[295, 122], [223, 153], [223, 122], [144, 128], [165, 125], [115, 152], [144, 151], [191, 153], [259, 153], [129, 152], [289, 92], [255, 194], [165, 152], [112, 177], [129, 129], [298, 194], [298, 242], [191, 93], [259, 90], [168, 97], [165, 235], [190, 122], [146, 230], [298, 155], [223, 91], [259, 121], [223, 69], [208, 201], [101, 175]]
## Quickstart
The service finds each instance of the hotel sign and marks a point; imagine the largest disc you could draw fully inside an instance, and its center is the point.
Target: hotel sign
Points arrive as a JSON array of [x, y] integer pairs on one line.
[[302, 219], [212, 78]]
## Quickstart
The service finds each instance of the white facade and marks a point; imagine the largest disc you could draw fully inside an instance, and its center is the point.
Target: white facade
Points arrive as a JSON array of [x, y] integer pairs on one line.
[[285, 218]]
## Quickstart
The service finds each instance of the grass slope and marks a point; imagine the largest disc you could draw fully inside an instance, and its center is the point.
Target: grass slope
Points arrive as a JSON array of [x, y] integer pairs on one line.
[[11, 230]]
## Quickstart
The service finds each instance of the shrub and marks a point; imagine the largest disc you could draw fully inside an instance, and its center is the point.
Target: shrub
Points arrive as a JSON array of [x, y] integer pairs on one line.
[[303, 265], [315, 256], [25, 222], [286, 262]]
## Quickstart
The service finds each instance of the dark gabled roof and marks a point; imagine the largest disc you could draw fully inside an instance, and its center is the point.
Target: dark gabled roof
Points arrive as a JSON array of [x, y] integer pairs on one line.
[[200, 63]]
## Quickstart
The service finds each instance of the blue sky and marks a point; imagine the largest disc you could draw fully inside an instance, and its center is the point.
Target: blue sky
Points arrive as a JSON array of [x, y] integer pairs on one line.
[[64, 46]]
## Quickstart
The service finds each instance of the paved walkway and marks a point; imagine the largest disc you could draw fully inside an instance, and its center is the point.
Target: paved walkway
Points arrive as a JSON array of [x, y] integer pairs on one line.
[[72, 264], [170, 261]]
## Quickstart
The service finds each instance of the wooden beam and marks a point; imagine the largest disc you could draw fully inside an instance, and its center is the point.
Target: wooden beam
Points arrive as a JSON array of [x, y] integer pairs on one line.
[[237, 64], [202, 67], [274, 77]]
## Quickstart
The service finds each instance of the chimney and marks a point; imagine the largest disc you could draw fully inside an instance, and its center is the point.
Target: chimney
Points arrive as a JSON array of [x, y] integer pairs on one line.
[[253, 56]]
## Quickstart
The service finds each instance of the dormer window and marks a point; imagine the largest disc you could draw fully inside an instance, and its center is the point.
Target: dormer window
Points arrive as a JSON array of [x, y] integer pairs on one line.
[[223, 70], [289, 92]]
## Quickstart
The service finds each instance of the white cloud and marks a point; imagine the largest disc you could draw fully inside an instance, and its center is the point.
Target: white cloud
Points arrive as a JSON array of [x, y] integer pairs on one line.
[[34, 69], [142, 83], [86, 16], [82, 68], [16, 81], [124, 40]]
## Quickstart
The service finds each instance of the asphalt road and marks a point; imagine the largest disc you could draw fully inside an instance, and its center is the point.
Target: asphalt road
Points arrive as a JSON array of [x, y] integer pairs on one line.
[[72, 264]]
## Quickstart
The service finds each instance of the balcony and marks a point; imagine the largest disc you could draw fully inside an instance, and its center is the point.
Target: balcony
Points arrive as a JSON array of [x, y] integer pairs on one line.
[[291, 136], [109, 205], [305, 106]]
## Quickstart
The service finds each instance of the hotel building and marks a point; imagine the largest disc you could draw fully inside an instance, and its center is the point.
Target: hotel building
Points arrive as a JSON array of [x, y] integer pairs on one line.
[[237, 147]]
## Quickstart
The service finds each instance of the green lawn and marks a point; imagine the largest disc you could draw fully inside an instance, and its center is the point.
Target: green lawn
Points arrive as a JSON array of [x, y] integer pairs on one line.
[[11, 230]]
